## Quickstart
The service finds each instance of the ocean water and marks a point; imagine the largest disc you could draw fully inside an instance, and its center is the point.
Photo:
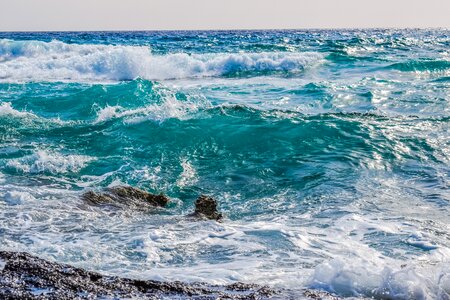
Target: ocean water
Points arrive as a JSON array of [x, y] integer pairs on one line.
[[328, 151]]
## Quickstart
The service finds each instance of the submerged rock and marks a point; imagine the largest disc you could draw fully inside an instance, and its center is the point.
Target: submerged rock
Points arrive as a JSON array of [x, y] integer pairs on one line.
[[206, 207], [28, 277], [121, 196]]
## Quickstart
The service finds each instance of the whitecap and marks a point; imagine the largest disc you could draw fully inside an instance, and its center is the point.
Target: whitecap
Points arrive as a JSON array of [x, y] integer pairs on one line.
[[7, 110], [58, 61], [169, 108], [188, 176], [46, 161]]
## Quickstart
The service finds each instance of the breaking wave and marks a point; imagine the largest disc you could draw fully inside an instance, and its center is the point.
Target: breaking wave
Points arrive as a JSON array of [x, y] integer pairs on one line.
[[57, 61], [7, 110], [49, 162]]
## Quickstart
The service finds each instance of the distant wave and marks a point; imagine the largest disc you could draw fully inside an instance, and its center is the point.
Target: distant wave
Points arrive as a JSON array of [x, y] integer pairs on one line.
[[58, 61], [422, 66]]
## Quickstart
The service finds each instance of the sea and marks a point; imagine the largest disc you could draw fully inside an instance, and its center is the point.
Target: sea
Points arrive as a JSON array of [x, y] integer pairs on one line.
[[328, 152]]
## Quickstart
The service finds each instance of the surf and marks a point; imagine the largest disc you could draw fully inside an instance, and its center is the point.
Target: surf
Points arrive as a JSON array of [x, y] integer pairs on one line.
[[28, 61]]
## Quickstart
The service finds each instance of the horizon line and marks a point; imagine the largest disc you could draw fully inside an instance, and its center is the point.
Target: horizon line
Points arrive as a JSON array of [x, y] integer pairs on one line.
[[224, 30]]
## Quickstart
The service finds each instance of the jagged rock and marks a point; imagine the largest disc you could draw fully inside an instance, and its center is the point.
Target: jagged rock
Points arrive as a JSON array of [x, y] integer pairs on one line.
[[206, 207], [128, 192], [97, 199], [125, 196], [24, 276]]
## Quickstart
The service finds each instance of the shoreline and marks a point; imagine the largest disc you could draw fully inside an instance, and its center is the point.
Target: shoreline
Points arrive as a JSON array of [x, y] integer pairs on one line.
[[25, 276]]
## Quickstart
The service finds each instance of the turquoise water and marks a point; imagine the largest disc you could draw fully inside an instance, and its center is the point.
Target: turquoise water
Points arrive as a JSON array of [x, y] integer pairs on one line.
[[328, 151]]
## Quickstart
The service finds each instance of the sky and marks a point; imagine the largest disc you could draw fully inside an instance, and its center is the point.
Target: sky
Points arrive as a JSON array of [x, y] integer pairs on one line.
[[81, 15]]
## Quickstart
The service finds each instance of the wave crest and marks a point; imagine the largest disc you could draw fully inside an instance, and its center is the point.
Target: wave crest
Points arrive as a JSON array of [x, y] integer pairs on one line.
[[58, 61], [422, 66], [49, 162], [7, 110]]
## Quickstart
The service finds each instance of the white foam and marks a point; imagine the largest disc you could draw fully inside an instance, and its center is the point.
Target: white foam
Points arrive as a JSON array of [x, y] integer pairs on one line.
[[170, 108], [418, 240], [7, 110], [17, 197], [383, 278], [2, 265], [108, 113], [53, 162], [58, 61], [188, 176], [359, 270]]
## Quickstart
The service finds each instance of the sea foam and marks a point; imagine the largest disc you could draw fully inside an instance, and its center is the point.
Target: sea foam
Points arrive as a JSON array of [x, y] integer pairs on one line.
[[17, 197], [52, 162], [7, 110], [169, 108], [58, 61]]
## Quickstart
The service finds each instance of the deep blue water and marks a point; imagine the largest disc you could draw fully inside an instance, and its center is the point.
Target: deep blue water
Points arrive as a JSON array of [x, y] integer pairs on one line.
[[328, 151]]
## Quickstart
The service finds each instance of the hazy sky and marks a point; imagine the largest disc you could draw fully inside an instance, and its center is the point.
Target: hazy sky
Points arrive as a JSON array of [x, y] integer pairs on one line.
[[219, 14]]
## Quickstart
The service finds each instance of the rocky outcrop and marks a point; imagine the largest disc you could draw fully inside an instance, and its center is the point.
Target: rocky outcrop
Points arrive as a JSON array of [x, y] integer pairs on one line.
[[206, 207], [130, 197], [125, 196], [128, 192], [23, 276]]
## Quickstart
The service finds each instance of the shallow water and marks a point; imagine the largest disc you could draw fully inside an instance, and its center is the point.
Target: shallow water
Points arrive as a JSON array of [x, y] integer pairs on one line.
[[328, 151]]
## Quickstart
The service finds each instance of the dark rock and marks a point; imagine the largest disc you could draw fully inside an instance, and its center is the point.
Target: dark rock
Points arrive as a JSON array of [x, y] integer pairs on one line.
[[128, 192], [125, 196], [97, 199], [23, 276], [206, 207], [319, 295]]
